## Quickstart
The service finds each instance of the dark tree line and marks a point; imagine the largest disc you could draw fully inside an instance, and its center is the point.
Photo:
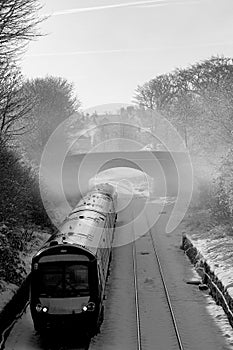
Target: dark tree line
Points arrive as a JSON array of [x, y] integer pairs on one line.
[[18, 20], [30, 110]]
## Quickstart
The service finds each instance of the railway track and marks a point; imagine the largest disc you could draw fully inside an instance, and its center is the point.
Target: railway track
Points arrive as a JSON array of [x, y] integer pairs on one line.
[[165, 291], [139, 345], [178, 336]]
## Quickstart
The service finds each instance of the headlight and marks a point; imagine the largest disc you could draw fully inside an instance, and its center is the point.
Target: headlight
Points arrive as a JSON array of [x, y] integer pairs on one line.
[[84, 308], [89, 307], [38, 308]]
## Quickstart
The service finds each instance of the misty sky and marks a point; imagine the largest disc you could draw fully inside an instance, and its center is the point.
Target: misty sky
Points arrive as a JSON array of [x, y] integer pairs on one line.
[[108, 47]]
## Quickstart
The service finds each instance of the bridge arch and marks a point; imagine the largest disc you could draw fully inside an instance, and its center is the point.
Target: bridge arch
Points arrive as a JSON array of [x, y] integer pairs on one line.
[[119, 163]]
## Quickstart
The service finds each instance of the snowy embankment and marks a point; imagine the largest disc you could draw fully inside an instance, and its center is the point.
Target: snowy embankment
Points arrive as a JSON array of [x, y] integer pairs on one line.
[[210, 250]]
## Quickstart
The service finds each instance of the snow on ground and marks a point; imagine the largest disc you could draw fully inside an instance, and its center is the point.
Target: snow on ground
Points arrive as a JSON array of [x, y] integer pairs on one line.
[[221, 319], [216, 246], [8, 290]]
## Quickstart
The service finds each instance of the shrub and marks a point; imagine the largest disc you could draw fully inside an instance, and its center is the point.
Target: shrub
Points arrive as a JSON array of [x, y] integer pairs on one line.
[[11, 267], [222, 199], [21, 208]]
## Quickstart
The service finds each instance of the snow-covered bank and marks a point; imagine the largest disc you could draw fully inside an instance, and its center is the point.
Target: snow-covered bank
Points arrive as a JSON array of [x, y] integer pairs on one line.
[[211, 253], [13, 298]]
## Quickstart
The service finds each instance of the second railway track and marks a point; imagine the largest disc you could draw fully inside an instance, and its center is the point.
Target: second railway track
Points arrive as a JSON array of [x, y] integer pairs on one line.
[[146, 242]]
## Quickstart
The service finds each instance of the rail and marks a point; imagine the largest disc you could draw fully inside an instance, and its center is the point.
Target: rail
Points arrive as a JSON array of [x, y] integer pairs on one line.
[[181, 347], [139, 346]]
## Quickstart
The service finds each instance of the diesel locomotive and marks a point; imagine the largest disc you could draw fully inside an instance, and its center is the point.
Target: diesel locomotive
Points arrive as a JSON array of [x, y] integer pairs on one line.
[[69, 272]]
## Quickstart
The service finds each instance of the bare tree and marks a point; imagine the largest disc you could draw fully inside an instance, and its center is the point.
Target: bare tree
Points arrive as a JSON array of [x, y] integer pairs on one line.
[[157, 92], [198, 99], [212, 82], [18, 21], [15, 103]]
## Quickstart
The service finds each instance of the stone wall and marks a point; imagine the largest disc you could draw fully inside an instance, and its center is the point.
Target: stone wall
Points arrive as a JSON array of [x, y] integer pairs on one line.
[[215, 285]]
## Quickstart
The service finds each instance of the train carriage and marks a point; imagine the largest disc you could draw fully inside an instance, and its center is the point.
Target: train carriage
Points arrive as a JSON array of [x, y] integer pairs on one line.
[[69, 272]]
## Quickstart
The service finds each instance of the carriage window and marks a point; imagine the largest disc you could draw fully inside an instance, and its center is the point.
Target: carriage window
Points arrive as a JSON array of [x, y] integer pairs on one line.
[[63, 279]]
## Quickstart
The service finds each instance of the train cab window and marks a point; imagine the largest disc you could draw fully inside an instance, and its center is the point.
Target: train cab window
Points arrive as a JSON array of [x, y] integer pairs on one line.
[[76, 277], [50, 280], [63, 280]]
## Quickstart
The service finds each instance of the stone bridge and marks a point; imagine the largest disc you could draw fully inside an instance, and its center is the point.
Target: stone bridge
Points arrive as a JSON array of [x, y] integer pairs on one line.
[[168, 169], [67, 177]]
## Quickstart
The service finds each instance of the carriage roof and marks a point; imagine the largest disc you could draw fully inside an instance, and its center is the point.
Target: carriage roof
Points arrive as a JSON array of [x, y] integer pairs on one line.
[[95, 201], [83, 227], [84, 231]]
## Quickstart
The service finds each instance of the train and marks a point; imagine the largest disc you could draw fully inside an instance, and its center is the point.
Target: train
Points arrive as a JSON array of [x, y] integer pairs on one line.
[[69, 272]]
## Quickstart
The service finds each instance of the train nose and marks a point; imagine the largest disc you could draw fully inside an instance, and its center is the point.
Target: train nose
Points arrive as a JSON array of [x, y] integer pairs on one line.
[[59, 306]]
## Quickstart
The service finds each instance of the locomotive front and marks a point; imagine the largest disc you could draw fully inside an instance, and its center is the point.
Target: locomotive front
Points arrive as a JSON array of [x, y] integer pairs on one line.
[[64, 288]]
